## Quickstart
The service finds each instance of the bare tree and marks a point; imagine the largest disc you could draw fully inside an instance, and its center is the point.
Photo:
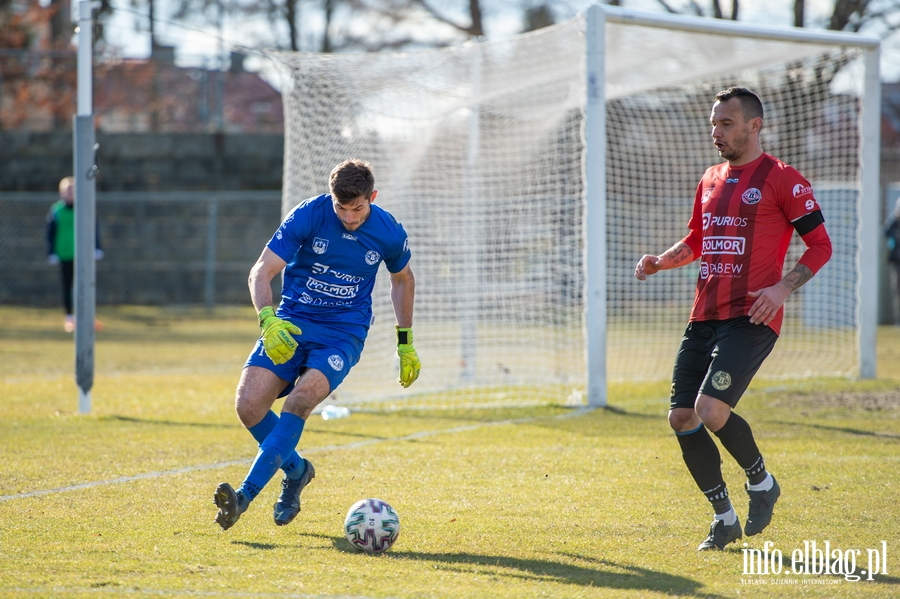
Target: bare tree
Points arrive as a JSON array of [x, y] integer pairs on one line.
[[810, 85], [475, 28], [401, 24], [283, 15], [329, 14], [847, 14], [537, 17], [292, 18], [408, 24]]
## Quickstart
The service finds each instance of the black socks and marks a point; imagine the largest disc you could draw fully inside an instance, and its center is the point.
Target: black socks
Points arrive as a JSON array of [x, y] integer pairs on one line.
[[701, 455], [737, 438]]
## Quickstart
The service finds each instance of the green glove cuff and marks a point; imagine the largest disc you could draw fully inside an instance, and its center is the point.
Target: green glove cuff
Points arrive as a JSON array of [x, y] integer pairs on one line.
[[404, 336], [264, 314]]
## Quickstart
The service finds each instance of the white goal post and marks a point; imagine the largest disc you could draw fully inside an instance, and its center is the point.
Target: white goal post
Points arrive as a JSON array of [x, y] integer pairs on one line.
[[532, 173]]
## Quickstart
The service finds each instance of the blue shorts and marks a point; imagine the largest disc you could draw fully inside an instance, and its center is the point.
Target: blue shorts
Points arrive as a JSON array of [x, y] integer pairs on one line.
[[331, 352]]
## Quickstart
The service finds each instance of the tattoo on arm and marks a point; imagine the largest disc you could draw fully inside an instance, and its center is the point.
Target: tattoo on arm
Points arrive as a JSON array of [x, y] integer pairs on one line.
[[797, 277], [678, 254]]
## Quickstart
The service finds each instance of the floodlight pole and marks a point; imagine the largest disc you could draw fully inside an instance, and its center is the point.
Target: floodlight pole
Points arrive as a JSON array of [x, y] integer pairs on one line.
[[85, 208]]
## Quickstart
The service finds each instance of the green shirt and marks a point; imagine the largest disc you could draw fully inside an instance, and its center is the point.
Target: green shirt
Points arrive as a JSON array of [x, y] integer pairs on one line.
[[63, 242]]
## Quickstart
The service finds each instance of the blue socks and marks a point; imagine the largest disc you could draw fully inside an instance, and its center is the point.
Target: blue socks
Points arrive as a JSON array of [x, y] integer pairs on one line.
[[293, 465], [279, 444]]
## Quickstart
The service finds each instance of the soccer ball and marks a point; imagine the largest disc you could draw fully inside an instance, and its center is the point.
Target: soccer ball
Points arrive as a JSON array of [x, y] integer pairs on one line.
[[372, 525]]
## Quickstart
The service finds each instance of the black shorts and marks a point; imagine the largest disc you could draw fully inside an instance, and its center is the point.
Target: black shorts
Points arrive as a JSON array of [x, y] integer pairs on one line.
[[719, 358]]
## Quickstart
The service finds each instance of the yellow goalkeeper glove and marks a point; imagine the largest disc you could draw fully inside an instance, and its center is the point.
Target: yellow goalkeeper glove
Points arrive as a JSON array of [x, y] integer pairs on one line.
[[276, 336], [409, 359]]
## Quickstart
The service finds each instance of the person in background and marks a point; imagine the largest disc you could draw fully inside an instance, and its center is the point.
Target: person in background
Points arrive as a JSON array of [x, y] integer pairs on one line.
[[61, 245], [892, 232]]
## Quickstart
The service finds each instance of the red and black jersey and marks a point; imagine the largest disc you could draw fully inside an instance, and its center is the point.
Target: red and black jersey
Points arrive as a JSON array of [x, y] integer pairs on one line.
[[740, 229]]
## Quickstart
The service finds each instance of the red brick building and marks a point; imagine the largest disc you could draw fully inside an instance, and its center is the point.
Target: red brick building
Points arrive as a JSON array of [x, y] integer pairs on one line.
[[38, 70]]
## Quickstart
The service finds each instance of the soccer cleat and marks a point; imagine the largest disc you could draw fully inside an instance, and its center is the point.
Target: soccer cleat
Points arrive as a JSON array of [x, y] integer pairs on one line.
[[288, 505], [720, 534], [761, 505], [231, 505]]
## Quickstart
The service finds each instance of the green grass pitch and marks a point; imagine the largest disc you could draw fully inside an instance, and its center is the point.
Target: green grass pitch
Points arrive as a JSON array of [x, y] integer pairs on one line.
[[546, 501]]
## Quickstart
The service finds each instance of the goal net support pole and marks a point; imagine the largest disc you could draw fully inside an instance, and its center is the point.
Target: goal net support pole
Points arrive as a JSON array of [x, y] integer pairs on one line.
[[870, 234], [595, 207]]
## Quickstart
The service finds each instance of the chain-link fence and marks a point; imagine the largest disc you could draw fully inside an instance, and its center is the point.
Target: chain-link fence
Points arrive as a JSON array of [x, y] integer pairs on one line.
[[160, 248]]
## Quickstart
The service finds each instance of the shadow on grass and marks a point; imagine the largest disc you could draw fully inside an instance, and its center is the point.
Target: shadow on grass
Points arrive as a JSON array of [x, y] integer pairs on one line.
[[251, 545], [326, 431], [606, 574], [839, 429], [471, 415], [168, 422], [624, 412]]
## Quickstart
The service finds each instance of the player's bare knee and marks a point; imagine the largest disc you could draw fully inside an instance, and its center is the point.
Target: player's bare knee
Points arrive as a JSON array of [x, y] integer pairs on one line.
[[301, 403], [249, 412], [683, 419], [712, 411], [308, 392]]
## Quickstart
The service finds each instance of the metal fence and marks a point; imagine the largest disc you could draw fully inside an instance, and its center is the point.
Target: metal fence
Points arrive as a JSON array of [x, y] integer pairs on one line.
[[160, 248]]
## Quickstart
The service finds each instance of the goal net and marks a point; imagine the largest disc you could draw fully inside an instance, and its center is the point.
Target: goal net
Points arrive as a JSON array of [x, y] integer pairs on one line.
[[479, 151]]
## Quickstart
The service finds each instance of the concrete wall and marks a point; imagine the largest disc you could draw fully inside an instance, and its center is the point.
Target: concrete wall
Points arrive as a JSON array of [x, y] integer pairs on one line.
[[153, 206], [146, 162], [157, 247]]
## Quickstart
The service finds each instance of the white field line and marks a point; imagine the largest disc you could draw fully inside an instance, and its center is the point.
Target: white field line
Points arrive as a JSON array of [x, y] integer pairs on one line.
[[217, 465]]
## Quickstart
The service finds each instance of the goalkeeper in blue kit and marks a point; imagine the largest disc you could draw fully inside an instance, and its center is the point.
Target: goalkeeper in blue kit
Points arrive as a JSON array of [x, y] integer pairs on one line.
[[330, 248]]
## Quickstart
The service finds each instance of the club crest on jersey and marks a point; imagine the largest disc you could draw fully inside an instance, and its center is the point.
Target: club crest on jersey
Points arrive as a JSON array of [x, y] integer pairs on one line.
[[319, 245], [706, 195], [721, 380], [751, 196], [336, 362], [372, 258]]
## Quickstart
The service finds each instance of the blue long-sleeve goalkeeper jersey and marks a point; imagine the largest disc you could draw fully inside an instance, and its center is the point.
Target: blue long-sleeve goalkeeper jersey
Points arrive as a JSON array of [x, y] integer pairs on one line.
[[331, 271]]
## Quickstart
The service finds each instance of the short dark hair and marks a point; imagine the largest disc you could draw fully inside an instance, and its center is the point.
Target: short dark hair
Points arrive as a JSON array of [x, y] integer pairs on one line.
[[751, 105], [351, 179]]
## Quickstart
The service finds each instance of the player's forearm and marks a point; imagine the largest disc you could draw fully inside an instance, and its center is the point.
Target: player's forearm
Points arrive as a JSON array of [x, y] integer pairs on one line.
[[795, 279], [267, 267], [677, 255], [403, 294], [260, 286], [818, 250]]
